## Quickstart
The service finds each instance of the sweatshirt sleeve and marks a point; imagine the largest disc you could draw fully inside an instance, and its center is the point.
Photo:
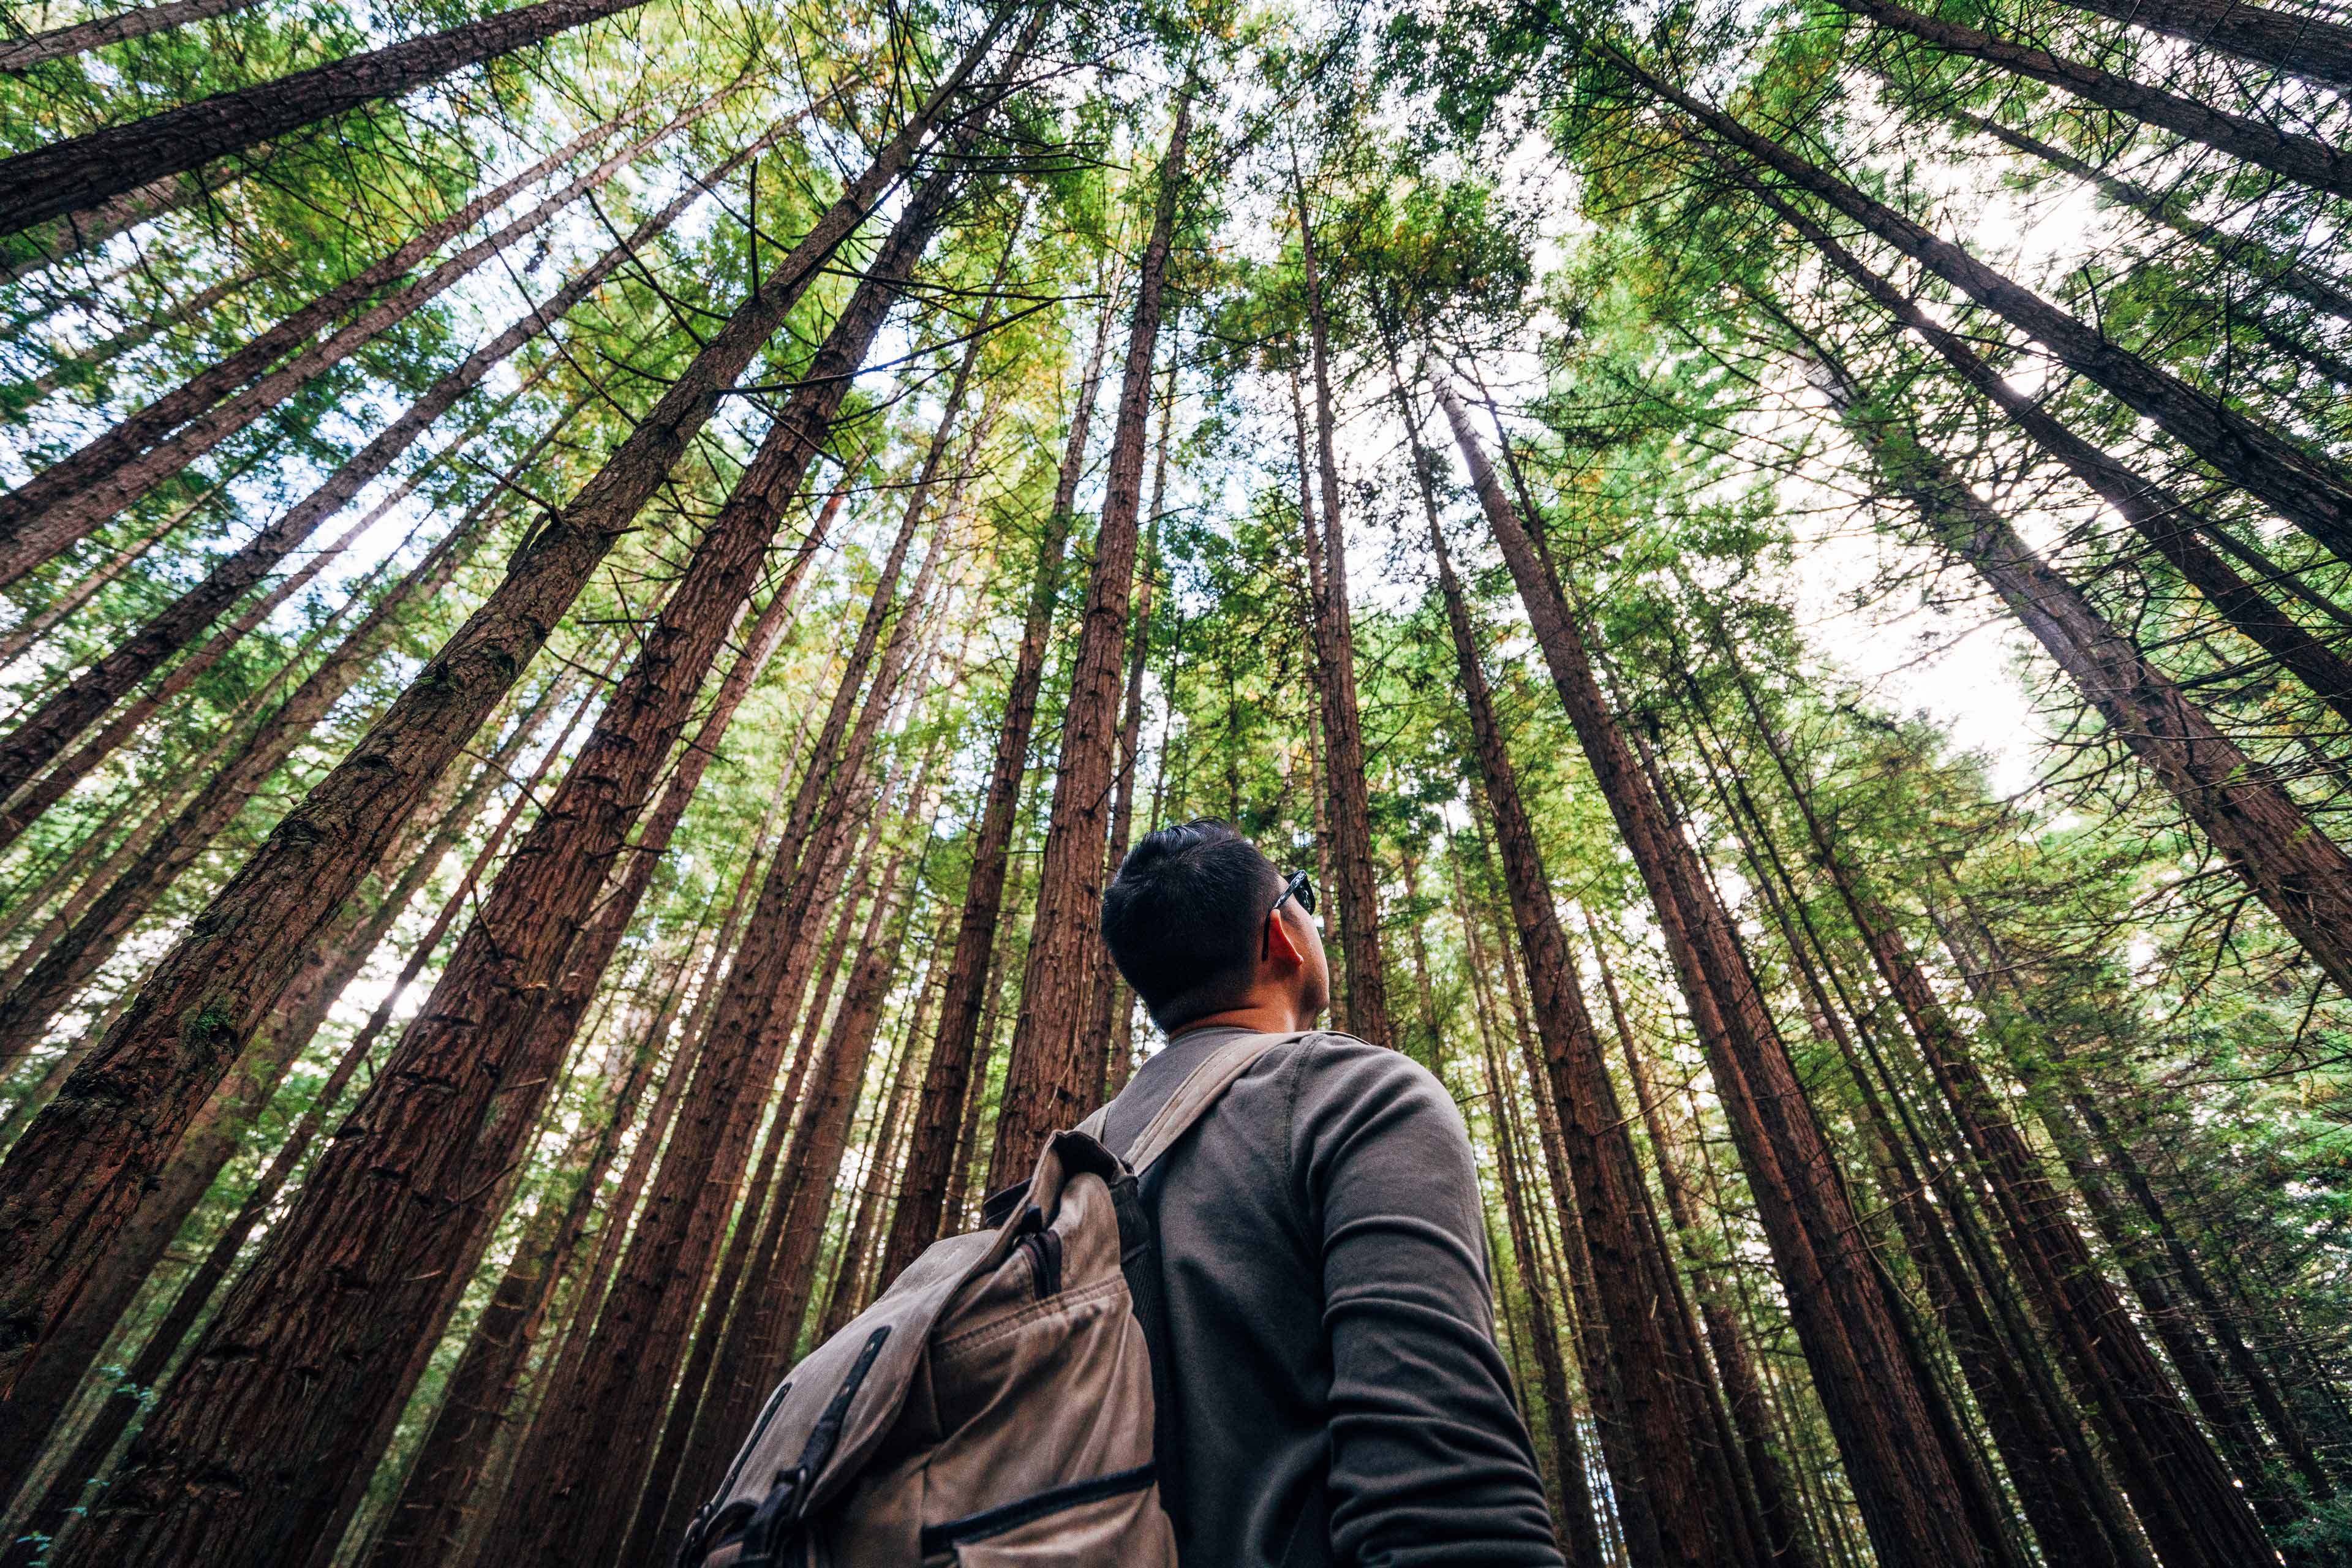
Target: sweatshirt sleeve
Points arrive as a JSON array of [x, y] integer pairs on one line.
[[1430, 1459]]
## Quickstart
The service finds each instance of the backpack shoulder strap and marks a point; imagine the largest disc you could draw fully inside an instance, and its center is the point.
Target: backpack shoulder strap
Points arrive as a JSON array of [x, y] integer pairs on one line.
[[1202, 1088]]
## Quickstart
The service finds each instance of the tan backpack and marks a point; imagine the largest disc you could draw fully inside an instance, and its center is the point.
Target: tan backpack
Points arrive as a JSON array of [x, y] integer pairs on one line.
[[1004, 1404]]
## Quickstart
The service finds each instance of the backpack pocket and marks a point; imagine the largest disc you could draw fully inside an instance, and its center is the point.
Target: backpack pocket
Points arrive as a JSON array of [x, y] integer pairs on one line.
[[1106, 1520]]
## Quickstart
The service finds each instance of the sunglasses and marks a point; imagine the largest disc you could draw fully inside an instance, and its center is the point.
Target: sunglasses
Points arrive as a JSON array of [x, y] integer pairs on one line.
[[1299, 888]]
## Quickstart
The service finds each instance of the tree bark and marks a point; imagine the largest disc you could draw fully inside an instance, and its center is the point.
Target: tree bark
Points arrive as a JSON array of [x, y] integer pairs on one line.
[[2307, 490], [24, 545], [66, 1183], [847, 1296], [82, 171], [1913, 1499], [954, 1077], [64, 43], [32, 628], [1053, 1078], [1345, 775], [2307, 46]]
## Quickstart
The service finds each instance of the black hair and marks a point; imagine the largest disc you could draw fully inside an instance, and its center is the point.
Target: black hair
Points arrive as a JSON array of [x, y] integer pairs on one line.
[[1181, 919]]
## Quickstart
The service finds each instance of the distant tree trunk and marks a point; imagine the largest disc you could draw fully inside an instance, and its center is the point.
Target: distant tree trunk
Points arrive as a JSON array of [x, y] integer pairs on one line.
[[1318, 792], [2306, 159], [82, 171], [64, 43], [1912, 1498], [848, 1295], [1053, 1078], [956, 1208], [1345, 775], [34, 251], [589, 1458], [28, 531], [2306, 45], [952, 1078], [2307, 490], [2272, 268], [33, 627], [77, 367], [1107, 997], [2169, 525], [67, 1183], [2260, 829], [90, 504], [462, 1093]]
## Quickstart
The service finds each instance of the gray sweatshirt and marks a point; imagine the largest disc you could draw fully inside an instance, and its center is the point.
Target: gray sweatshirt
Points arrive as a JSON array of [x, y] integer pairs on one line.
[[1338, 1391]]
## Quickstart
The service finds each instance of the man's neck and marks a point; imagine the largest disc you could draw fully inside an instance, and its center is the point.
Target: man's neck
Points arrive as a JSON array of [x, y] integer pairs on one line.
[[1259, 1014]]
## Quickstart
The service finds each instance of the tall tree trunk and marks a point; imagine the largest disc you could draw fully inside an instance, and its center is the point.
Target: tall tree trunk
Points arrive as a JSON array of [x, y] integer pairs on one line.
[[952, 1078], [1344, 779], [2263, 143], [1318, 792], [2169, 525], [73, 368], [1912, 1498], [1053, 1078], [67, 1183], [64, 43], [31, 251], [1688, 1521], [589, 1459], [2306, 45], [2307, 490], [24, 545], [90, 504], [957, 1208], [33, 627], [2304, 879], [847, 1296], [464, 1088], [82, 171]]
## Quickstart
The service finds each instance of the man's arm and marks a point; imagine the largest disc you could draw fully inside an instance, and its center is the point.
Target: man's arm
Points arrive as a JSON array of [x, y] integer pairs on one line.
[[1430, 1459]]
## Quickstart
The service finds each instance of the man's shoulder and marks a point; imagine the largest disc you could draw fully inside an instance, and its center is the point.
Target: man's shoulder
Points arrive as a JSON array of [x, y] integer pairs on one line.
[[1328, 1059]]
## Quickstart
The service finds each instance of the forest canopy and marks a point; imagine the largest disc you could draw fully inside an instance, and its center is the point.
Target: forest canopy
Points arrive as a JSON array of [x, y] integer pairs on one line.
[[592, 590]]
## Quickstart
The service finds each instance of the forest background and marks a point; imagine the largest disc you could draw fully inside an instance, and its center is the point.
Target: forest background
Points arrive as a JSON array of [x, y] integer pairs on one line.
[[592, 589]]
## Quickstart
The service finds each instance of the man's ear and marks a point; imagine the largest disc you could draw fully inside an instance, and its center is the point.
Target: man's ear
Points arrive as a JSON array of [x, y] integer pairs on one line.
[[1281, 947]]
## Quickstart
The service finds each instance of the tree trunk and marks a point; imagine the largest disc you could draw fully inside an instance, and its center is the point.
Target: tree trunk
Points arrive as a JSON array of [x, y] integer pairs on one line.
[[64, 43], [1053, 1078], [589, 1458], [2290, 866], [24, 546], [1913, 1499], [33, 627], [2308, 491], [67, 1182], [82, 171], [1345, 775], [2307, 46], [75, 368], [93, 503], [32, 251], [847, 1296], [463, 1088]]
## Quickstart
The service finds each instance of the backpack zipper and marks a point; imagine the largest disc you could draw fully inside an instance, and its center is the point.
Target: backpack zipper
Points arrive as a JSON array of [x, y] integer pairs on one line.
[[1045, 1250]]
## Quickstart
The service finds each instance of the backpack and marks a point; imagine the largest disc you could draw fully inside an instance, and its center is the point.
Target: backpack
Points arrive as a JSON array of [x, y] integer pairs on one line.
[[1004, 1404]]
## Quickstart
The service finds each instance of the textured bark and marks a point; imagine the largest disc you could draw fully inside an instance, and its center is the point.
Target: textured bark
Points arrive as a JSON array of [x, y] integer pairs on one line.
[[953, 1077], [352, 1278], [2306, 45], [2263, 143], [849, 1292], [83, 171], [1054, 1077], [67, 1183], [36, 626], [2296, 870], [2169, 525], [26, 543], [64, 43], [1687, 1520], [956, 1207], [2307, 490], [92, 503], [595, 1438], [1913, 1499], [25, 254], [45, 1389], [1348, 804]]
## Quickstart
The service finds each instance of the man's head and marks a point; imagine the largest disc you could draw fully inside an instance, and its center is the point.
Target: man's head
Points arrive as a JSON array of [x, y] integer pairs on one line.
[[1198, 921]]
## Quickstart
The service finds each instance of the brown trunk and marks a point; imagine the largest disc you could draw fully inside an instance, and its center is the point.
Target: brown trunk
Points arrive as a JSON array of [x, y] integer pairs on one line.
[[22, 546], [25, 253], [2165, 521], [68, 1182], [595, 1436], [2306, 489], [1053, 1076], [2306, 45], [64, 43], [79, 368], [82, 171], [2290, 865], [463, 1089], [1345, 775], [1915, 1503], [1687, 1521], [956, 1207], [42, 734]]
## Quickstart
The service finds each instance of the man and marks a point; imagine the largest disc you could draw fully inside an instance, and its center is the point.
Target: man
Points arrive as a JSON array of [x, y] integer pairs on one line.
[[1339, 1393]]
